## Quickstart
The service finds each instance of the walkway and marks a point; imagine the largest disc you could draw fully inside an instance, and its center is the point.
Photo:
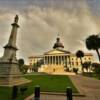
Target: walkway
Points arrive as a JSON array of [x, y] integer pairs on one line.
[[88, 86]]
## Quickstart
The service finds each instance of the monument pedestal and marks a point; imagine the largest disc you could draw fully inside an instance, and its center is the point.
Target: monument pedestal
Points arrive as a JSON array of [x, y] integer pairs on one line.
[[10, 74], [13, 82]]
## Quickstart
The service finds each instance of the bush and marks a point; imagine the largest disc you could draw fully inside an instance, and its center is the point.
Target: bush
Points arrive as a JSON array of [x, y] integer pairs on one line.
[[75, 70], [96, 68]]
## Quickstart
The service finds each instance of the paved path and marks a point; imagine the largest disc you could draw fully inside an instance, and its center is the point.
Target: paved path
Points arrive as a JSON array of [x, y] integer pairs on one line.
[[88, 86]]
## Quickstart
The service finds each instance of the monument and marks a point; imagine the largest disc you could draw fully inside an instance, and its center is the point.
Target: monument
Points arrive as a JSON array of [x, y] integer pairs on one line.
[[10, 74]]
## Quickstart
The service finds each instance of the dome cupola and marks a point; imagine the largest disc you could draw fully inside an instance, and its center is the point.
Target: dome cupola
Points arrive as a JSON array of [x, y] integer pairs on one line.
[[58, 44]]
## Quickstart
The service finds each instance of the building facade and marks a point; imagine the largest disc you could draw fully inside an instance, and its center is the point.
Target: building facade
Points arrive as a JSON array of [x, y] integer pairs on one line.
[[59, 60]]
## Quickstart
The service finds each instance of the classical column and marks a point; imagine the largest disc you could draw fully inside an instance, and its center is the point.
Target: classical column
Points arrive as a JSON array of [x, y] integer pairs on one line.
[[44, 60], [62, 60], [65, 60], [48, 59], [58, 59], [52, 59], [69, 61], [55, 60]]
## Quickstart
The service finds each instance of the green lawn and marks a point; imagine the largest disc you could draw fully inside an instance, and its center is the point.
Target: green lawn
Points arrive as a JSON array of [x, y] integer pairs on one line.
[[92, 75], [47, 83]]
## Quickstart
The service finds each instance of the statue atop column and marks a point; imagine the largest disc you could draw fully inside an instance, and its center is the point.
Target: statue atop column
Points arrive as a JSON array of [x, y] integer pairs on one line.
[[9, 68], [16, 19], [10, 48]]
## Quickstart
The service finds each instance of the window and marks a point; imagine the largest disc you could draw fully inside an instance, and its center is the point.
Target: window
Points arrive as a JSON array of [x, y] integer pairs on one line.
[[89, 58], [84, 58], [72, 63], [77, 63]]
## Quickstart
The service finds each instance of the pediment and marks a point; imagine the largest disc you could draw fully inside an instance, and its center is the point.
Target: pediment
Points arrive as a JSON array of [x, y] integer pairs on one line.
[[55, 52]]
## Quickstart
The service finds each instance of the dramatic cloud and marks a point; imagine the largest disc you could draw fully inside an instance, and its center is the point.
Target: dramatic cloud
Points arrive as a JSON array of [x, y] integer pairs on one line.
[[40, 24]]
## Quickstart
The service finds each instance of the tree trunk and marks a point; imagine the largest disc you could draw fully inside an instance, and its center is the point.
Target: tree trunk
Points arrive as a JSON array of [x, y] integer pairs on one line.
[[81, 63], [98, 54]]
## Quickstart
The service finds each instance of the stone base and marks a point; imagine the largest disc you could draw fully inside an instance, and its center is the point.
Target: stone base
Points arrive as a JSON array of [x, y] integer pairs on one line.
[[51, 68], [64, 73], [10, 74], [55, 70], [13, 82]]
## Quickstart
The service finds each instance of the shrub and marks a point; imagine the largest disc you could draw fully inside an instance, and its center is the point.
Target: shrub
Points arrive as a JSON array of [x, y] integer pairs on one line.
[[75, 70]]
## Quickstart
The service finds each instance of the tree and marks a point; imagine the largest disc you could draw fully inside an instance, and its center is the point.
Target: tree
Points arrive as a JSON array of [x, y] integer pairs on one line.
[[37, 65], [96, 67], [21, 62], [75, 70], [86, 65], [80, 54], [93, 43], [23, 68]]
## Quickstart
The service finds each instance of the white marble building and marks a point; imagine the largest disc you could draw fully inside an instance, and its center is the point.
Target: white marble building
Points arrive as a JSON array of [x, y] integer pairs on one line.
[[58, 59]]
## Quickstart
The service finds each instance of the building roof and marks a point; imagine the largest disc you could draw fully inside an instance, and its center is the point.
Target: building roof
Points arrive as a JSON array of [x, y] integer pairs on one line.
[[85, 54], [38, 56]]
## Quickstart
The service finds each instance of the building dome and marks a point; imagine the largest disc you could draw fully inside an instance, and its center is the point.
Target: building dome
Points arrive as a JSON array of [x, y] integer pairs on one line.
[[58, 44]]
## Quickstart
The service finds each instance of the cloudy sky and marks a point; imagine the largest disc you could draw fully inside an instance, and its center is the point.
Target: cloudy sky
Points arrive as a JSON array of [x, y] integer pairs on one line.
[[41, 20]]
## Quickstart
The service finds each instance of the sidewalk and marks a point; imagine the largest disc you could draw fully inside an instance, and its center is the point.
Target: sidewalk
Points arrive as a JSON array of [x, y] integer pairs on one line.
[[88, 86]]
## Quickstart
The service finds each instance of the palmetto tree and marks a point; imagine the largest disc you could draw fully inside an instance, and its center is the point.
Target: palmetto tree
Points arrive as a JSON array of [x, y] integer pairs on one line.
[[80, 54], [93, 43]]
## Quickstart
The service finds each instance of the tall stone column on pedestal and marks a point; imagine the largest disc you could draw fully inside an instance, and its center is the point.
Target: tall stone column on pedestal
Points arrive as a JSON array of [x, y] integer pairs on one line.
[[10, 74]]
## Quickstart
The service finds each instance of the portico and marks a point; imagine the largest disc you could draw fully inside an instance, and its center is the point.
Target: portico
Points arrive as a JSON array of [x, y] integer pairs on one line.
[[55, 59]]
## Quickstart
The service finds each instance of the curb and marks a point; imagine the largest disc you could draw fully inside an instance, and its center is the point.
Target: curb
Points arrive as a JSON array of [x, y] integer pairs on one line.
[[64, 94], [54, 93]]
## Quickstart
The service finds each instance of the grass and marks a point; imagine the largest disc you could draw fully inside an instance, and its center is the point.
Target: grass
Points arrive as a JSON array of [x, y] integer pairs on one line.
[[47, 83], [5, 93], [92, 75]]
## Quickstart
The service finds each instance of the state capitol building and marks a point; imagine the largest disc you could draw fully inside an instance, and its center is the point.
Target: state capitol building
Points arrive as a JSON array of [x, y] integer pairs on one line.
[[58, 59]]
